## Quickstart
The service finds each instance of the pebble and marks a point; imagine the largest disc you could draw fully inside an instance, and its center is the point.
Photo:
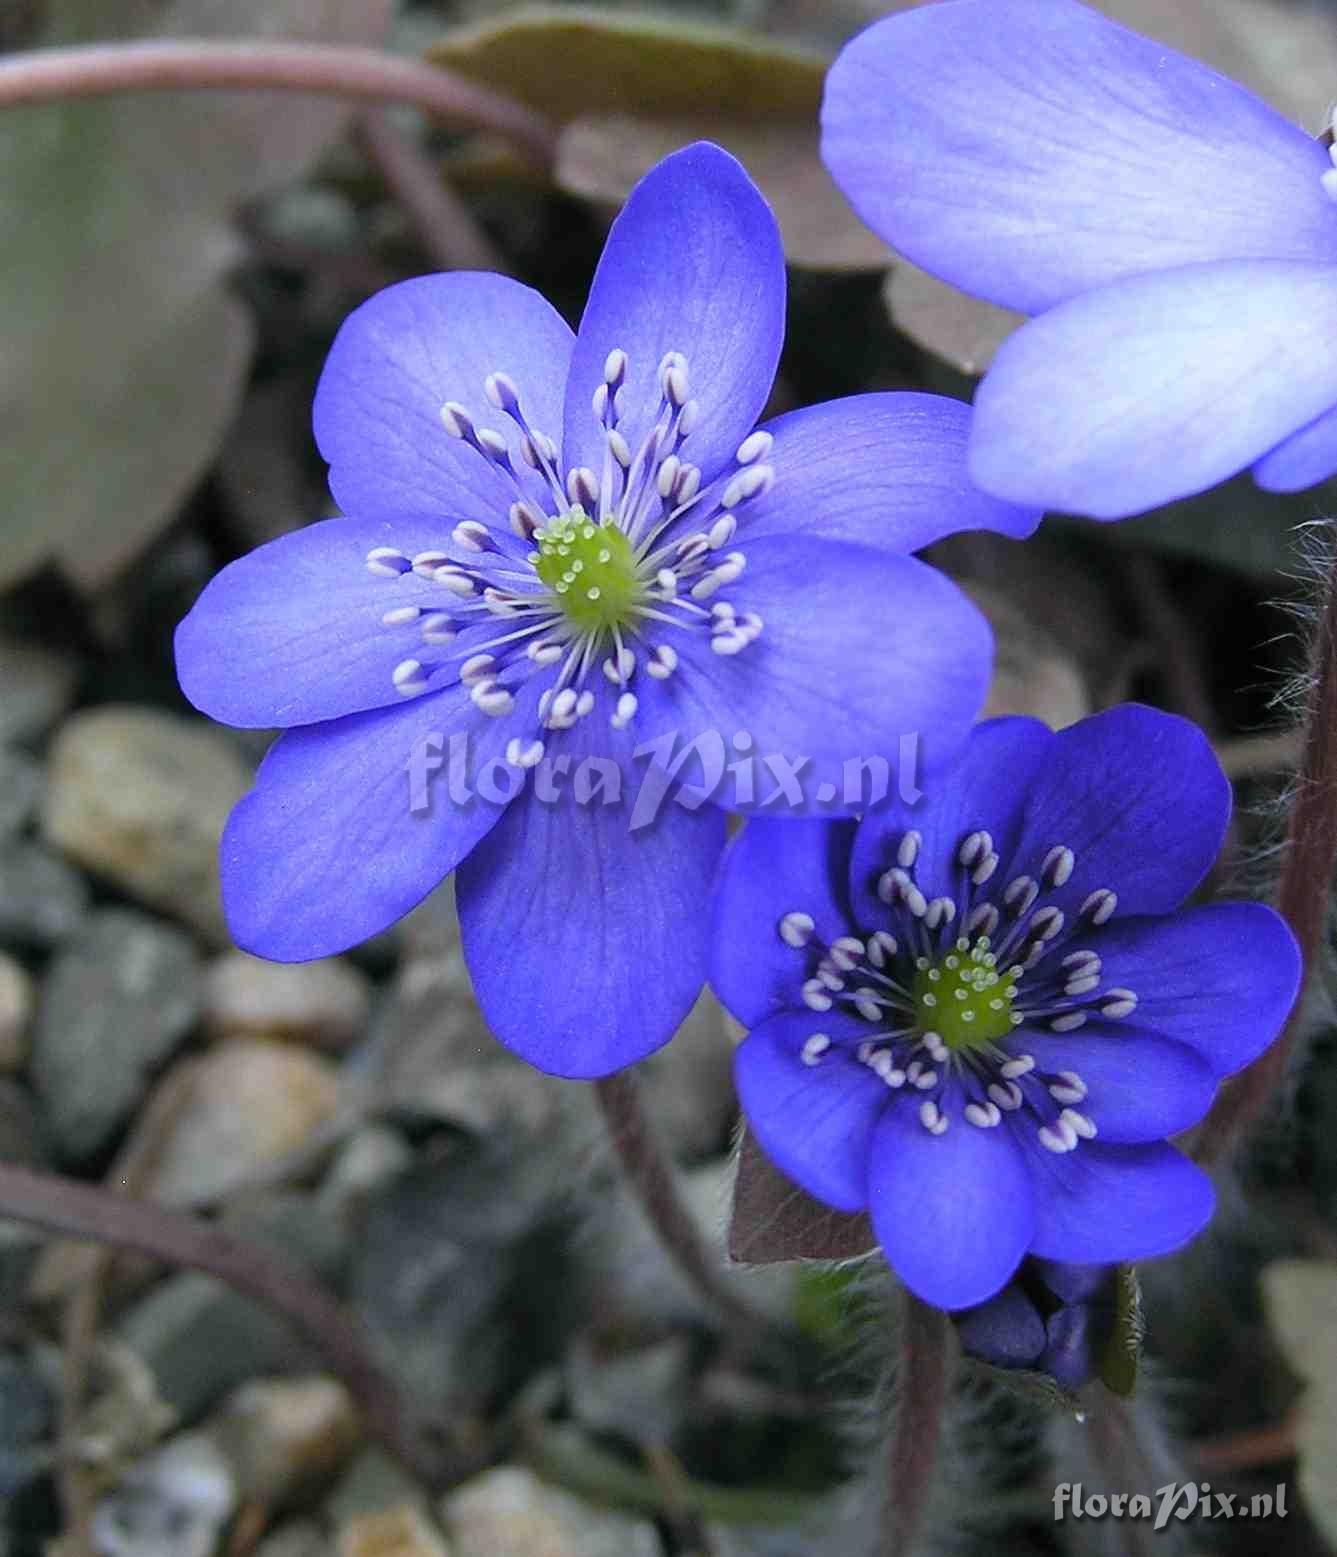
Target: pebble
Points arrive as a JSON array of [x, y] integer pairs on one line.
[[116, 1003], [20, 1134], [251, 1103], [297, 1538], [325, 1003], [20, 790], [140, 797], [42, 900], [509, 1512], [285, 1436], [27, 1412], [16, 1008], [37, 685], [174, 1503], [398, 1532]]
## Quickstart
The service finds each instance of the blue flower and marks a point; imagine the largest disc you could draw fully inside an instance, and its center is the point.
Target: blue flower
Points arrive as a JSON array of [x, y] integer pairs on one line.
[[661, 572], [979, 1018], [1175, 235], [1053, 1318]]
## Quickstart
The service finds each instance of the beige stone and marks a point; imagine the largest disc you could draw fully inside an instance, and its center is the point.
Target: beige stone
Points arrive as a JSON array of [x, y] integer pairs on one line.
[[325, 1003], [398, 1532], [16, 1008], [509, 1512], [284, 1436]]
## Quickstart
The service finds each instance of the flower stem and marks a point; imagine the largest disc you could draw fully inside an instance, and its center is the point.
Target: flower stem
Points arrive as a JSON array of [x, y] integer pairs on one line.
[[44, 75], [650, 1175], [923, 1386], [1303, 889], [85, 1211]]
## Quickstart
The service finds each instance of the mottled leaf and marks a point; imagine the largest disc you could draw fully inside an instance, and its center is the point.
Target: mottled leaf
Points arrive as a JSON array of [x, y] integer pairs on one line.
[[773, 1219], [648, 85], [124, 354], [1301, 1299]]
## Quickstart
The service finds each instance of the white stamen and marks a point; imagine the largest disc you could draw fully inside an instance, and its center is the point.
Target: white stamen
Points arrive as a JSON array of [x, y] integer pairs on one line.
[[1021, 1066], [796, 928], [1068, 1023], [815, 996], [1058, 1138], [456, 420], [1100, 905], [983, 1115], [1079, 1124], [501, 392], [437, 627], [408, 678], [384, 562], [907, 851], [1006, 1094], [477, 667], [401, 616], [931, 1119], [627, 705], [756, 446], [469, 535], [522, 755], [1118, 1002], [814, 1048], [664, 663]]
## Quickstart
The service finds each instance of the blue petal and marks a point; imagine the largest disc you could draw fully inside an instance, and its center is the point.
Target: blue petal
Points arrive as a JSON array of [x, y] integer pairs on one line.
[[771, 869], [1075, 1283], [868, 667], [292, 633], [1027, 150], [1139, 798], [1006, 1331], [954, 1212], [585, 938], [1074, 1338], [1220, 979], [693, 264], [987, 789], [884, 470], [1105, 1204], [1303, 460], [1142, 1087], [815, 1122], [1157, 387], [396, 361], [328, 849]]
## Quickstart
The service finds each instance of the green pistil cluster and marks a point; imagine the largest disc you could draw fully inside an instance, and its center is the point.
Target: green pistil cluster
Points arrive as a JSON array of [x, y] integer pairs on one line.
[[590, 567], [962, 997]]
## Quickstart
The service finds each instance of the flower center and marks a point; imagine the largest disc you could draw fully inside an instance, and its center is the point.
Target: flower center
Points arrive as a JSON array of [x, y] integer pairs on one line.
[[591, 568], [962, 997]]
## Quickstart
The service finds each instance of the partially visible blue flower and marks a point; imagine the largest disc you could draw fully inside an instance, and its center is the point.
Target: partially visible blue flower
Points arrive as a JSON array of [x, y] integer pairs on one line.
[[565, 547], [979, 1018], [1176, 236], [1053, 1318]]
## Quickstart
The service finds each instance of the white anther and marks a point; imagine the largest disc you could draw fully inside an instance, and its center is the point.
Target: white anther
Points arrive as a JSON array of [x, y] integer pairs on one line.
[[524, 755], [1065, 1094], [881, 948], [408, 678], [941, 911], [796, 928], [437, 627], [615, 367], [1100, 905], [1068, 1023], [1007, 1094], [983, 920], [456, 582], [582, 485], [1079, 1124], [501, 392], [721, 532], [867, 1005], [674, 385], [915, 900], [426, 563], [668, 474], [401, 616], [563, 706], [815, 996], [1118, 1002], [1009, 1070], [599, 402], [1073, 958], [756, 446], [930, 1117], [983, 1115], [706, 585], [664, 663], [387, 562], [1020, 894], [1059, 1137], [525, 520], [974, 847], [888, 887], [493, 445], [1083, 984], [730, 642], [845, 952], [1070, 1078], [469, 535], [667, 580], [907, 851], [627, 705], [544, 653], [925, 1080], [688, 483], [984, 870], [456, 420], [814, 1048], [1046, 924], [829, 978], [1057, 867], [750, 482], [688, 417], [585, 704], [478, 667], [618, 668], [620, 447]]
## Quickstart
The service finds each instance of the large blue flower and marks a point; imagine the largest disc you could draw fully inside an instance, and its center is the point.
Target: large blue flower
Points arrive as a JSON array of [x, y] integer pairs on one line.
[[1175, 235], [547, 606], [979, 1018]]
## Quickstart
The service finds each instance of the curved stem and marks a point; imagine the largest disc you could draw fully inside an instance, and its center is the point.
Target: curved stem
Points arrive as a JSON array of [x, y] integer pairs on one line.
[[45, 75], [83, 1211], [651, 1176], [923, 1387], [1303, 889]]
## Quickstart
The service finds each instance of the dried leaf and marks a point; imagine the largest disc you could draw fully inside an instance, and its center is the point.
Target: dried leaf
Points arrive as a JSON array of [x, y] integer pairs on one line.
[[124, 357], [638, 95], [773, 1219], [1301, 1300]]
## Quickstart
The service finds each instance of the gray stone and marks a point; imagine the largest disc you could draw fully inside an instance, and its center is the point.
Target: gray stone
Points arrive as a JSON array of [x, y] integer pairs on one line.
[[37, 685], [141, 797], [174, 1503], [27, 1412], [368, 1162], [115, 1005], [297, 1538], [20, 790], [20, 1134], [16, 1008], [371, 1484], [688, 1085], [509, 1512], [42, 901], [325, 1003]]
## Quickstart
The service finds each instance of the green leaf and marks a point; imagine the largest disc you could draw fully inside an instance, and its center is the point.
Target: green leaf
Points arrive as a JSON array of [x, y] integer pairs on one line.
[[1123, 1351], [124, 354], [647, 85], [1301, 1301]]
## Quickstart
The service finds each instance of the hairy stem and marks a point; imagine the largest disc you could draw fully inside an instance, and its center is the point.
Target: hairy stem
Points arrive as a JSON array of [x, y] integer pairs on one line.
[[85, 1211], [923, 1386], [45, 75], [1303, 889], [650, 1175]]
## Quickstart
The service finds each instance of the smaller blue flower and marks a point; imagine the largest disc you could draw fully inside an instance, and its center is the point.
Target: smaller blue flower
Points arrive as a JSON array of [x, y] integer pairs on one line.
[[1052, 1318], [1175, 235], [563, 552], [979, 1018]]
